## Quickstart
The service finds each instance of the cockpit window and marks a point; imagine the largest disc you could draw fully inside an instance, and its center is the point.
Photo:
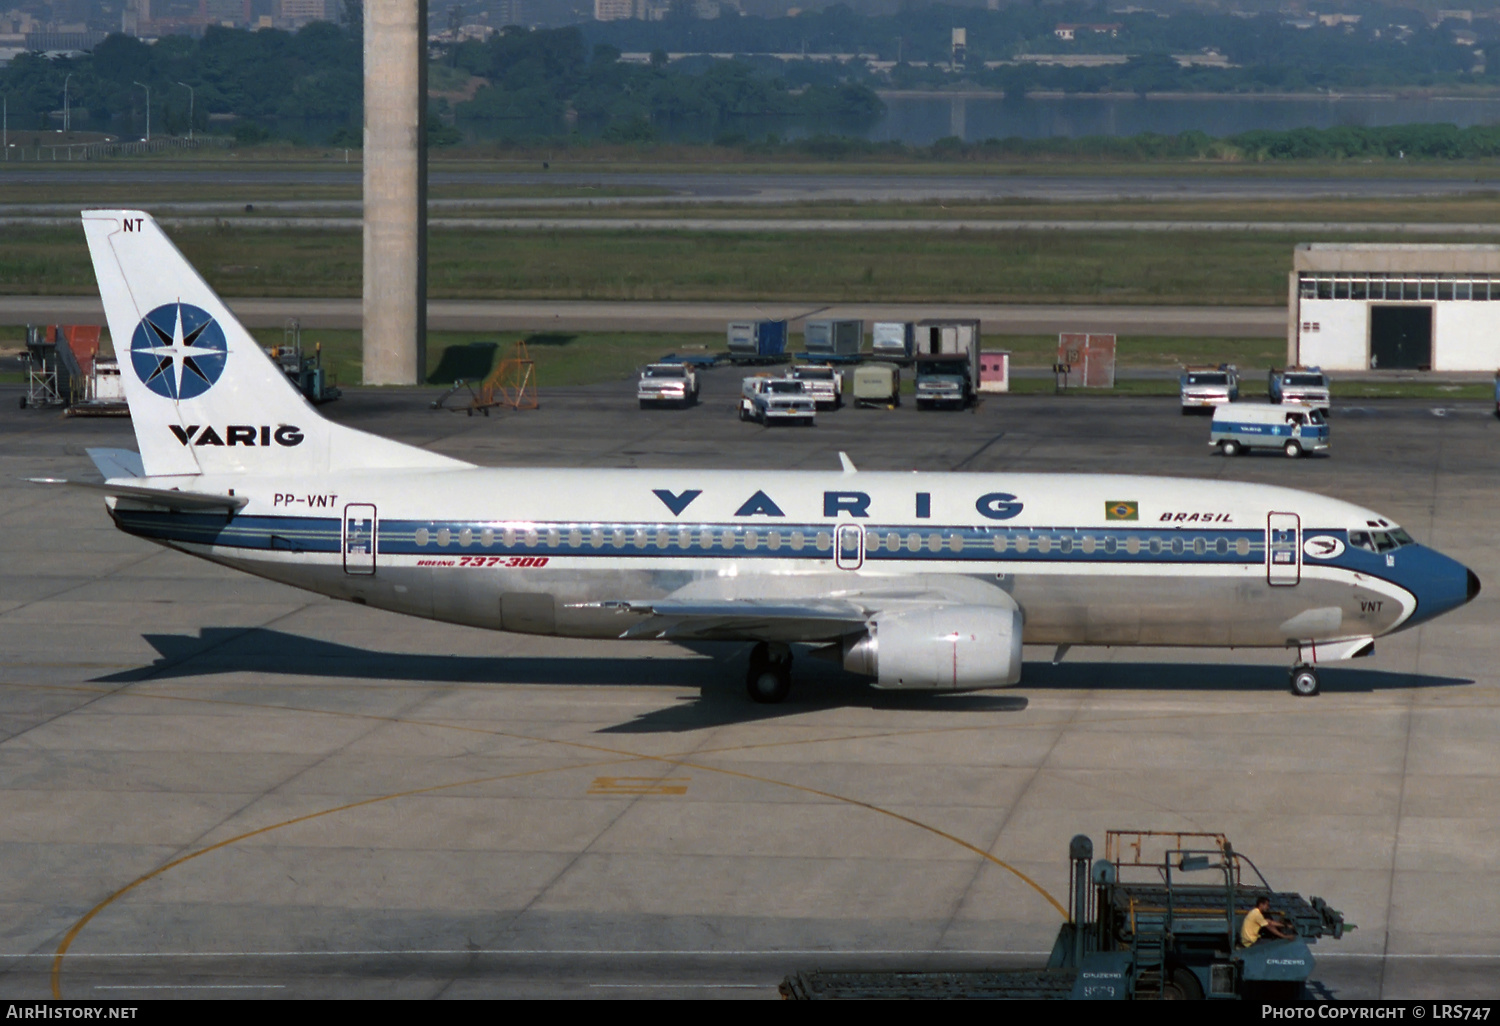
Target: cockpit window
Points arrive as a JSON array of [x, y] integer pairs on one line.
[[1380, 541]]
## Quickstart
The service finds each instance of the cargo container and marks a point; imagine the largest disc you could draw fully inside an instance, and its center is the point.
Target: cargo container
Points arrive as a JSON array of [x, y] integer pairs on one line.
[[757, 341], [833, 340], [894, 340]]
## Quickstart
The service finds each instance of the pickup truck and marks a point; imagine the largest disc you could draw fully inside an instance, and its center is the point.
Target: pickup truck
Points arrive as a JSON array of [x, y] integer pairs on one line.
[[777, 400], [1203, 388], [824, 383], [667, 383], [1299, 385], [944, 381]]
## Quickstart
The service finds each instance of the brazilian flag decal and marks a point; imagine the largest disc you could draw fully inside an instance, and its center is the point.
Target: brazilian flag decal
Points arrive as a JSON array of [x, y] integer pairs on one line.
[[1122, 511]]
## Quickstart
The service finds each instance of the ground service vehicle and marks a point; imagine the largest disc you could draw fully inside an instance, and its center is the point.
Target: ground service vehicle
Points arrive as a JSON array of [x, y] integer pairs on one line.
[[1294, 428], [877, 384], [918, 580], [944, 381], [1158, 917], [777, 401], [822, 382], [1298, 385], [1203, 388], [667, 384]]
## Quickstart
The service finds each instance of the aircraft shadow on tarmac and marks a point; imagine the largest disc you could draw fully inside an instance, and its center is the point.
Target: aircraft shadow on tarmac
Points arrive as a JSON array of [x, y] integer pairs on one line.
[[720, 700]]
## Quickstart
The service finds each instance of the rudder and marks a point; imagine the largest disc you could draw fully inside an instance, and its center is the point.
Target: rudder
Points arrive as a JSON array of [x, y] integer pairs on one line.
[[204, 397]]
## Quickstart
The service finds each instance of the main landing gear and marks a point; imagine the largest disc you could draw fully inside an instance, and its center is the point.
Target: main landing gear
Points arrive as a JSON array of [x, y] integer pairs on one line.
[[769, 676], [1304, 681]]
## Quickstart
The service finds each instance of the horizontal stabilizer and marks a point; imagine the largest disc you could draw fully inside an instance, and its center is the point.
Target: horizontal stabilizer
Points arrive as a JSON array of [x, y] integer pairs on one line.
[[114, 463], [171, 498]]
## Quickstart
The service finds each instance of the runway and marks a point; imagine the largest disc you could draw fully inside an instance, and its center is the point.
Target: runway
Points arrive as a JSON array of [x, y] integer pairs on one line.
[[578, 315], [212, 785]]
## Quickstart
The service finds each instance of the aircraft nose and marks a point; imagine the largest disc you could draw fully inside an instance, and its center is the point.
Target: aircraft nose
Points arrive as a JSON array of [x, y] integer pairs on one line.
[[1438, 582]]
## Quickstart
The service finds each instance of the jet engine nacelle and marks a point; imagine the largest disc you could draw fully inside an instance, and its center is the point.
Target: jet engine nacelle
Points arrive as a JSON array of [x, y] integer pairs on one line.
[[940, 648]]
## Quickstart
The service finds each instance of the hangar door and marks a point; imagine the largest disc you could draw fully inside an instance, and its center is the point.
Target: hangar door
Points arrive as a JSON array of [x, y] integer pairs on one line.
[[1400, 337]]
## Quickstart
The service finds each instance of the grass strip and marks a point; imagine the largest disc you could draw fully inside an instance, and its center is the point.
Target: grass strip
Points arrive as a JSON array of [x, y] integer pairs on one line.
[[1192, 268]]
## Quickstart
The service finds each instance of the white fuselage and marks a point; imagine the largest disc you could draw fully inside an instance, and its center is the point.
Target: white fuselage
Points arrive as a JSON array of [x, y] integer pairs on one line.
[[1089, 559]]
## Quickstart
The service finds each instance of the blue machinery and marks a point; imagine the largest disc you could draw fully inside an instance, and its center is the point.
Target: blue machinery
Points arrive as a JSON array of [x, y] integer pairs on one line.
[[1158, 917]]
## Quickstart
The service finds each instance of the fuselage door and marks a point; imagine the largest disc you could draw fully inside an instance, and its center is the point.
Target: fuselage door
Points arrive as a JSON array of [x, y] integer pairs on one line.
[[1283, 549], [849, 547], [359, 538]]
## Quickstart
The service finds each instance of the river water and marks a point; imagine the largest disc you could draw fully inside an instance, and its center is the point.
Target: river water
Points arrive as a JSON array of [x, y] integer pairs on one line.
[[922, 119]]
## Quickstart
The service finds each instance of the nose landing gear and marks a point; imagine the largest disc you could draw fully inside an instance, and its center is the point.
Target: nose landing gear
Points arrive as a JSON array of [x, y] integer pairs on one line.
[[1304, 681], [769, 676]]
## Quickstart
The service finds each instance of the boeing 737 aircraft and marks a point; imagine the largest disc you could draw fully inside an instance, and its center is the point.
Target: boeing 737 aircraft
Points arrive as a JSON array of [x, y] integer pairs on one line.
[[920, 581]]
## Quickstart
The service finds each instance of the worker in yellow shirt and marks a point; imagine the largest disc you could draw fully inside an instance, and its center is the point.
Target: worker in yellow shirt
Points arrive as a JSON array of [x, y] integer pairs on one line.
[[1256, 922]]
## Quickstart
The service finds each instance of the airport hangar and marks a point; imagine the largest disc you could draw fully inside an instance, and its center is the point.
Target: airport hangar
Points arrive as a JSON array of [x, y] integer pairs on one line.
[[1394, 306]]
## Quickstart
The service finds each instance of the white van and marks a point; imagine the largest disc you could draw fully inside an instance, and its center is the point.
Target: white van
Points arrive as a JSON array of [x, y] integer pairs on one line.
[[1294, 428]]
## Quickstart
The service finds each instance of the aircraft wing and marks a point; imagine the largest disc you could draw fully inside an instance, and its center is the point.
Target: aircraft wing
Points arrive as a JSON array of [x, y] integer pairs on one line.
[[812, 610], [737, 619]]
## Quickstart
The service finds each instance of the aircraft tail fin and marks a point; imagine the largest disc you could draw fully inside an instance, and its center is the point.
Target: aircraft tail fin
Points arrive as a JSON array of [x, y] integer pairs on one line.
[[204, 397]]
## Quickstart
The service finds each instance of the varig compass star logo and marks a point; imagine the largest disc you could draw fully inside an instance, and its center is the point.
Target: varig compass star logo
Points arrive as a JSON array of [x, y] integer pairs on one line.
[[178, 350]]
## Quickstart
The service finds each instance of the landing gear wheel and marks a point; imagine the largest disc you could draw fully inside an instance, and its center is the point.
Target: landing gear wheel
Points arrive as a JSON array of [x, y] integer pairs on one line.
[[1182, 985], [1229, 448], [768, 679], [1304, 681], [1294, 448]]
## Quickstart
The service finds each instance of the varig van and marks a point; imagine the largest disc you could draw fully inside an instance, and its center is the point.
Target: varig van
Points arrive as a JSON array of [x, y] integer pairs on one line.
[[1294, 428]]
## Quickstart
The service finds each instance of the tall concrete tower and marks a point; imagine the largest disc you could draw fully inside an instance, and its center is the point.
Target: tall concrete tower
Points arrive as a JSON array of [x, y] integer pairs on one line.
[[395, 190]]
